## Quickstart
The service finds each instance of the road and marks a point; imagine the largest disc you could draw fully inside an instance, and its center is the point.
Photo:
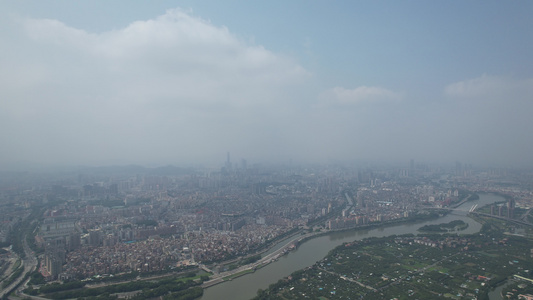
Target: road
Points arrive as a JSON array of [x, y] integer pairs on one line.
[[349, 279], [29, 263], [218, 278]]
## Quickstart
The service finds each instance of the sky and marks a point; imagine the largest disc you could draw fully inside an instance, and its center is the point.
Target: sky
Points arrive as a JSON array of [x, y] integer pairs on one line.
[[185, 82]]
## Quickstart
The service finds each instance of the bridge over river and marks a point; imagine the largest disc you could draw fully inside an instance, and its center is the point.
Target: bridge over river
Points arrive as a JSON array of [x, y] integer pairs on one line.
[[473, 211]]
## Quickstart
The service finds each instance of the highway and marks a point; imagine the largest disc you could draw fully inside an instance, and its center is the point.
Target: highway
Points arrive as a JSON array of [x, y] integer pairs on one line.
[[29, 263], [218, 278]]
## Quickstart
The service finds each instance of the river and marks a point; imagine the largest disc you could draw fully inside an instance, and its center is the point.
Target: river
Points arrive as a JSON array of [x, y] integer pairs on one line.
[[245, 287]]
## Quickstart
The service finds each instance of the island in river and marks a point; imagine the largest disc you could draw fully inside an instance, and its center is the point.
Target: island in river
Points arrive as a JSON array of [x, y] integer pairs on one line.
[[427, 266], [456, 225]]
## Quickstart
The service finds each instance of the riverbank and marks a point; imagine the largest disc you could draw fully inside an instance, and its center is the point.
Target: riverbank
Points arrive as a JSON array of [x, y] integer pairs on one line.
[[411, 220], [318, 247], [252, 267], [447, 265], [298, 240], [469, 197]]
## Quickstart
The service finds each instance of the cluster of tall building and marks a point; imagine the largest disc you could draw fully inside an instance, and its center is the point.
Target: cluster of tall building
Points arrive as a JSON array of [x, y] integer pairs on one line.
[[57, 236], [228, 211], [54, 259], [504, 210]]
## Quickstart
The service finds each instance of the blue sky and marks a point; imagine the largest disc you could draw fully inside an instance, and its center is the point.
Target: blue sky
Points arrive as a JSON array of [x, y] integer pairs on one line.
[[97, 82]]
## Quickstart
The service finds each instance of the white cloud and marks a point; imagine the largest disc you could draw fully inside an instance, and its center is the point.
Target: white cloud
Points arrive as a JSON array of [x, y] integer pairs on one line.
[[178, 88], [176, 81], [491, 87], [339, 96], [489, 117], [175, 55]]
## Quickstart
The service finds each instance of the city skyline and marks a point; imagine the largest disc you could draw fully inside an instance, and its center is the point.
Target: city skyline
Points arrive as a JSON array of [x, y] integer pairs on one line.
[[96, 83]]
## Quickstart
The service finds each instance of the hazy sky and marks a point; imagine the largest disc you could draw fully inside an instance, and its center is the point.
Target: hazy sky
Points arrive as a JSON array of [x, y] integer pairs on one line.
[[116, 82]]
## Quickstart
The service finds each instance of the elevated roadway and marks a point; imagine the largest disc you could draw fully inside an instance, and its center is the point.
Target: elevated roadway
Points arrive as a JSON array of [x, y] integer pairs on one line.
[[218, 278], [29, 263]]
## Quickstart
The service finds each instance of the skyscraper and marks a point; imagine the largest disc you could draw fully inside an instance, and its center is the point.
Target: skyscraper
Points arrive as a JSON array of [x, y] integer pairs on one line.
[[510, 208], [228, 163]]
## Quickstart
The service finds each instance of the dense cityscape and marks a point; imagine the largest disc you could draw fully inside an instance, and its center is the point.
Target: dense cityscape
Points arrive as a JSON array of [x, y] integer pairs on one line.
[[97, 223], [237, 150]]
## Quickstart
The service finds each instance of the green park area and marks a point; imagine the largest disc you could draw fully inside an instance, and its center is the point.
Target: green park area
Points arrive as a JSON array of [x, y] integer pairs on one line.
[[185, 287], [427, 266]]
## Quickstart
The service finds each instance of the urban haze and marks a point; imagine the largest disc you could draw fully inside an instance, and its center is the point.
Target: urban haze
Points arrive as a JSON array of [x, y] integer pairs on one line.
[[197, 149]]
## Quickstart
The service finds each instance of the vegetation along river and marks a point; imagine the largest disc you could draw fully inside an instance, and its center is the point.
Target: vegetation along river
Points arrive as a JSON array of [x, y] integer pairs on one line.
[[245, 287]]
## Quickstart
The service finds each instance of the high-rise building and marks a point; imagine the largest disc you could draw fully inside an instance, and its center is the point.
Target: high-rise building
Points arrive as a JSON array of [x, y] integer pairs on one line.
[[94, 238], [228, 161], [53, 261], [227, 165], [510, 208], [74, 241]]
